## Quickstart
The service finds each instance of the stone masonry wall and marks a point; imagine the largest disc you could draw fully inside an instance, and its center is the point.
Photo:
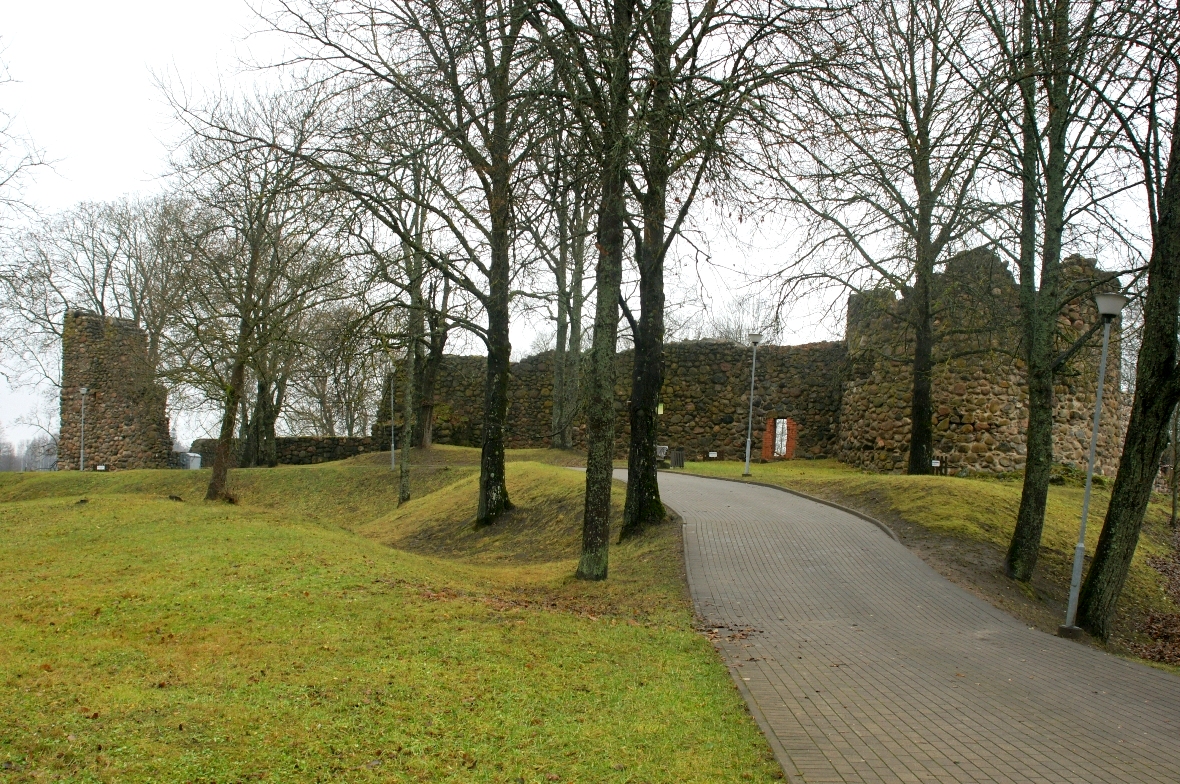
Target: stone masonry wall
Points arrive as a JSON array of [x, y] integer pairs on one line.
[[849, 399], [126, 423], [979, 385], [705, 397], [296, 450]]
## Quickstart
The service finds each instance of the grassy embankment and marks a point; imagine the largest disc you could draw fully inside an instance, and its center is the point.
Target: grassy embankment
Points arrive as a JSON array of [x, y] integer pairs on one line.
[[282, 638], [962, 527]]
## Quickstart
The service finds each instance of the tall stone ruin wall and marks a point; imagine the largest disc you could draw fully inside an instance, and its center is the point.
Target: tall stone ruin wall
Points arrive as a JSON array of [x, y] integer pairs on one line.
[[126, 420], [980, 388], [705, 396], [851, 399]]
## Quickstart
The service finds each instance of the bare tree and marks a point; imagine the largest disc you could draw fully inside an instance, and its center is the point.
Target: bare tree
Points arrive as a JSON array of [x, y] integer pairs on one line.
[[335, 385], [566, 184], [885, 162], [19, 157], [1149, 117], [121, 259], [1061, 58], [461, 74], [256, 263], [591, 50], [702, 68]]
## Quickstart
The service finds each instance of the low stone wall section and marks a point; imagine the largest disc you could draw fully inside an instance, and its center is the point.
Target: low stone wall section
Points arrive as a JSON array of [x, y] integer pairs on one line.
[[296, 450]]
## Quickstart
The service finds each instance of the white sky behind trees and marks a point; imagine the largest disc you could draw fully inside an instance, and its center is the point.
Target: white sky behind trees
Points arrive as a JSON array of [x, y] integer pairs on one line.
[[87, 93]]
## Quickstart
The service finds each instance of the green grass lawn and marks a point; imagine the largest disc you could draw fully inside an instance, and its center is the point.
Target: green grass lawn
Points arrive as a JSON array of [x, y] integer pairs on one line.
[[981, 512], [315, 631]]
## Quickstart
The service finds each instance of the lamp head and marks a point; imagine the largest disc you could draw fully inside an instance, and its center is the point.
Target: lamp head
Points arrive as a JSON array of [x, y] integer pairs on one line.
[[755, 338], [1110, 305], [84, 390]]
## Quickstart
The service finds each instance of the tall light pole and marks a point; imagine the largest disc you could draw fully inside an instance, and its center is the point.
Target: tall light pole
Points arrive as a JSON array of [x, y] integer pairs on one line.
[[755, 339], [82, 433], [1109, 307]]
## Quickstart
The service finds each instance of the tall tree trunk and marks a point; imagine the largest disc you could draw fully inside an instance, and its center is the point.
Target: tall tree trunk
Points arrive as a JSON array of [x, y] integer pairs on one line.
[[1157, 391], [600, 378], [1039, 306], [644, 507], [922, 397], [260, 448], [493, 490], [921, 309]]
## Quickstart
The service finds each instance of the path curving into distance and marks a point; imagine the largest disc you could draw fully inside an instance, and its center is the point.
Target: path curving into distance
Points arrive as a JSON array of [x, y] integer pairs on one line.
[[862, 664]]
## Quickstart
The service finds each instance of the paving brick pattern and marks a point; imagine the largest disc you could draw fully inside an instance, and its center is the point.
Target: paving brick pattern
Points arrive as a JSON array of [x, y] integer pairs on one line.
[[864, 665]]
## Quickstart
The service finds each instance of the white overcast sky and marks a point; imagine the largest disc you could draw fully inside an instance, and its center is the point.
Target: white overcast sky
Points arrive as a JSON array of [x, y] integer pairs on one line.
[[86, 92]]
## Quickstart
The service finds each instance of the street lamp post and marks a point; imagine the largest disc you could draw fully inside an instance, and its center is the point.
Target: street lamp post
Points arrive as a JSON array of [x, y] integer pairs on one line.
[[755, 339], [1109, 307], [82, 434]]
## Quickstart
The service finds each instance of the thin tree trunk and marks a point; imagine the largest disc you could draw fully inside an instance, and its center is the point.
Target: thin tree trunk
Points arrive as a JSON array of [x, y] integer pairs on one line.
[[1039, 306], [270, 446], [252, 435], [426, 404], [409, 411], [600, 379], [573, 352], [557, 427], [437, 319], [1157, 391], [644, 507]]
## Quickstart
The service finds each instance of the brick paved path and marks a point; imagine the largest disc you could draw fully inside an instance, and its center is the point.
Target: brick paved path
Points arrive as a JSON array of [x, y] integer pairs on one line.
[[867, 666]]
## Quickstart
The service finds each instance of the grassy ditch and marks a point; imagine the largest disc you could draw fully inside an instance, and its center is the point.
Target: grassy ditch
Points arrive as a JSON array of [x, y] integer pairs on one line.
[[962, 528], [313, 630]]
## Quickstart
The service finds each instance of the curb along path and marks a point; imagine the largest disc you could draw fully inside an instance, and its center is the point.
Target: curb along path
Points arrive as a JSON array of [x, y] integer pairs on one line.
[[862, 664]]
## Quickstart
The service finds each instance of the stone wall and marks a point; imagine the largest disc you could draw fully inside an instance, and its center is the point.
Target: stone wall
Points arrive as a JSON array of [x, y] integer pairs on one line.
[[705, 397], [296, 450], [849, 399], [979, 386], [126, 425]]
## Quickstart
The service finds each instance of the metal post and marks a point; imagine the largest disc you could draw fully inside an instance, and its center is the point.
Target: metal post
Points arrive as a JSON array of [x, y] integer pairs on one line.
[[82, 434], [393, 406], [750, 417], [1079, 553]]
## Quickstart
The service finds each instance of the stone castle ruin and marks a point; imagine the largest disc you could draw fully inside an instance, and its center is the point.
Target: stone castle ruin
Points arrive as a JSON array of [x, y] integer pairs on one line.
[[847, 399], [979, 389], [126, 421]]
